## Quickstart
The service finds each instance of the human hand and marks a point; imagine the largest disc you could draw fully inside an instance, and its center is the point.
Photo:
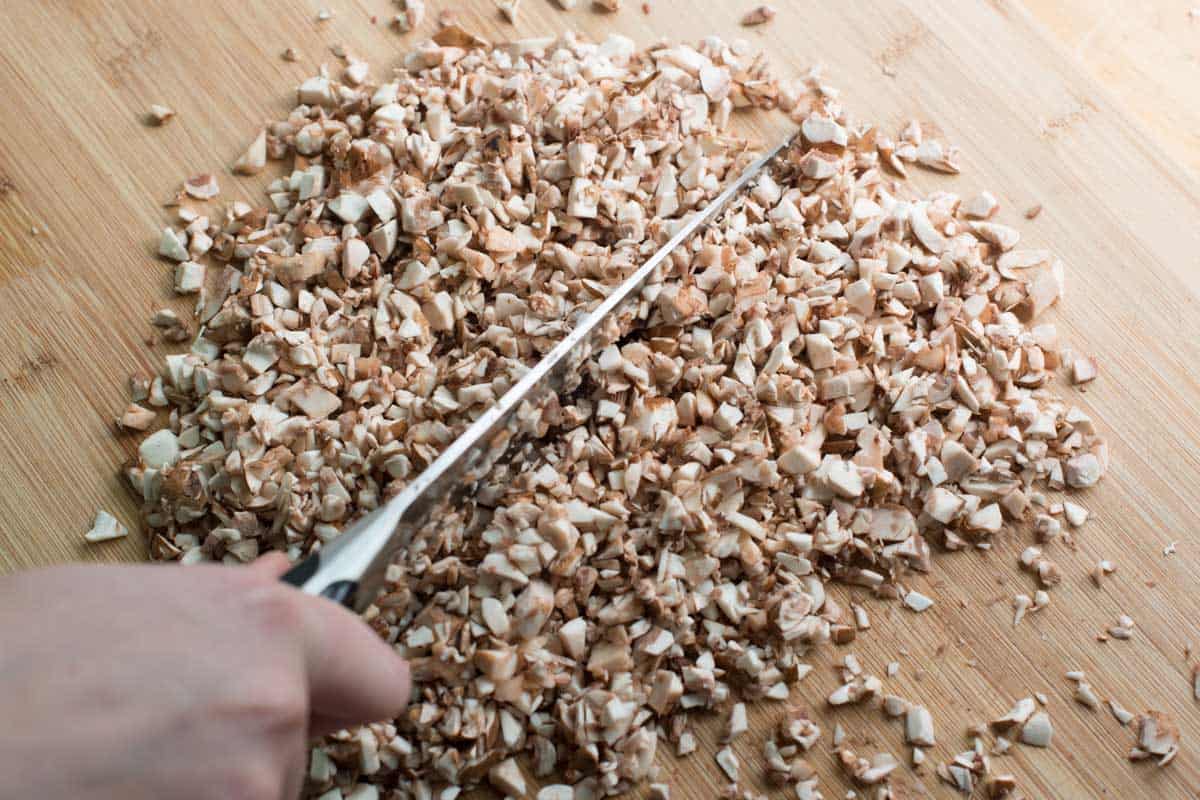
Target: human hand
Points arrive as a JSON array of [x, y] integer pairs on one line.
[[197, 682]]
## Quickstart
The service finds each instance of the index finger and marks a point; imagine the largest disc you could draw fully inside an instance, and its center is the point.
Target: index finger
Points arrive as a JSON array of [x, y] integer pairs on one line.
[[353, 675]]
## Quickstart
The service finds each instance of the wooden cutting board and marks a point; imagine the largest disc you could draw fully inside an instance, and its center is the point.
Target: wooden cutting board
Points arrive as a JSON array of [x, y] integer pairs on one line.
[[78, 166]]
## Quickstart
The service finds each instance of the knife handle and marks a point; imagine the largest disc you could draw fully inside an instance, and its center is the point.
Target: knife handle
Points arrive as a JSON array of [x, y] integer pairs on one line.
[[349, 569], [341, 592]]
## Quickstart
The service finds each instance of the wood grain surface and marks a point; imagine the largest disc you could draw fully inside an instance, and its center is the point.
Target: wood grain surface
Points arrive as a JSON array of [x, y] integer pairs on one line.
[[78, 165], [1146, 54]]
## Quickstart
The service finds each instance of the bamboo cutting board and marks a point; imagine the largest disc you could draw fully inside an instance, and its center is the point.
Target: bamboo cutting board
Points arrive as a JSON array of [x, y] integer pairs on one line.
[[78, 166]]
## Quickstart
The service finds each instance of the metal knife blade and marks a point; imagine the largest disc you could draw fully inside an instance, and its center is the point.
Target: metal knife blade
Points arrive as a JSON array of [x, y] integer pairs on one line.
[[350, 569]]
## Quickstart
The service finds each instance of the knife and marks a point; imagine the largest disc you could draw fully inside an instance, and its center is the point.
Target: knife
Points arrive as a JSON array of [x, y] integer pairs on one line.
[[350, 569]]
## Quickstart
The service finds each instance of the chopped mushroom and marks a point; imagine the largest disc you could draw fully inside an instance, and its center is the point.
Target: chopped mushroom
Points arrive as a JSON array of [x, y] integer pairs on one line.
[[412, 12], [254, 159], [160, 115], [1047, 571], [1037, 730], [202, 187], [917, 601], [867, 772], [189, 277], [964, 771], [629, 563], [1086, 696], [1157, 737], [728, 763], [507, 778], [1083, 471], [737, 723], [758, 15], [1016, 716], [1021, 604], [508, 8], [171, 247], [1122, 716], [105, 528], [918, 727], [137, 418], [1083, 370]]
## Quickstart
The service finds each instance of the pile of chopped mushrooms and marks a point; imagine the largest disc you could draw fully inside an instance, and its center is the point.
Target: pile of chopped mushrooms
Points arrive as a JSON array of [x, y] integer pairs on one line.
[[836, 378]]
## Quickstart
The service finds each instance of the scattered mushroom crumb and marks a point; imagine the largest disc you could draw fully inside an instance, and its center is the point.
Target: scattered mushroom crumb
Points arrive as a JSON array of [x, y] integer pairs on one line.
[[254, 159], [1123, 629], [917, 601], [758, 15], [1083, 370], [1075, 514], [1086, 696], [1118, 711], [737, 723], [1047, 528], [202, 187], [173, 327], [160, 115], [1016, 716], [964, 771], [857, 690], [1157, 737], [1021, 604], [861, 619], [867, 772], [105, 528], [411, 13], [728, 762], [1083, 471], [918, 727], [137, 418], [1037, 730], [1047, 571], [324, 15], [1033, 211], [1169, 550], [1102, 568], [508, 8], [189, 277], [982, 206]]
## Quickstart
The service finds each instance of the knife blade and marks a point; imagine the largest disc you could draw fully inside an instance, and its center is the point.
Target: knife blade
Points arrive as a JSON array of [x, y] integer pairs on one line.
[[350, 569]]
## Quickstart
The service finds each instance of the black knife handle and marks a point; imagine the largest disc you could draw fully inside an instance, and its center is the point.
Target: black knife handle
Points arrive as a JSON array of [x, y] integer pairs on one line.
[[340, 592]]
